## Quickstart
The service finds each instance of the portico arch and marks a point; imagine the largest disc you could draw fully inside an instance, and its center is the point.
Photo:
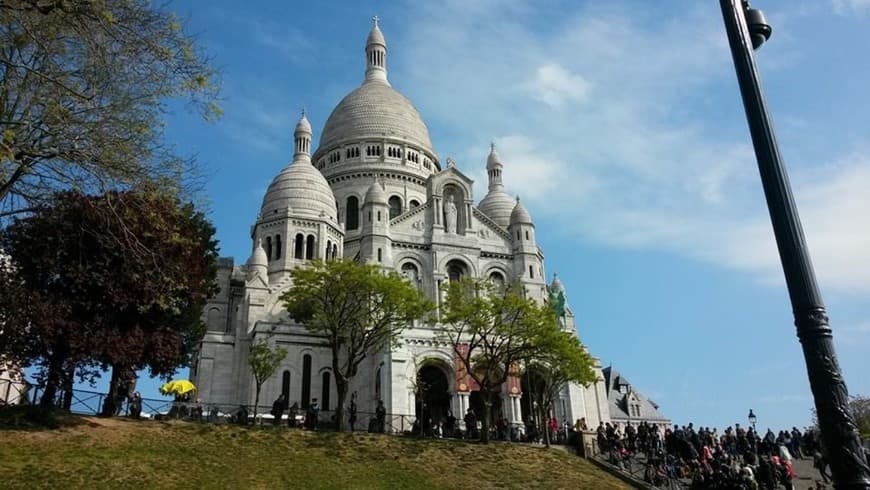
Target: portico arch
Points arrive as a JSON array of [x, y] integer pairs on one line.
[[433, 393]]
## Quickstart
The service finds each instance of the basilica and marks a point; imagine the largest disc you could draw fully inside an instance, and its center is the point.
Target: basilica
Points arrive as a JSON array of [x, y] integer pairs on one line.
[[375, 190]]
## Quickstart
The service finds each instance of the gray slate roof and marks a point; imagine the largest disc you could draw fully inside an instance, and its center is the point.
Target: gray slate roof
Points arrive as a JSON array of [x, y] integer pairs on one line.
[[618, 399]]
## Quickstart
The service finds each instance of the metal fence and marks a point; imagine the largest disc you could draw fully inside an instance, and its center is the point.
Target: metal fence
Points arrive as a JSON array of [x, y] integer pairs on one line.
[[85, 402], [13, 392], [657, 473]]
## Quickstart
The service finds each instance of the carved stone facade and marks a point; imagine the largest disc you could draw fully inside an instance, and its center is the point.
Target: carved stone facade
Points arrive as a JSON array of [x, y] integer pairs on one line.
[[375, 190]]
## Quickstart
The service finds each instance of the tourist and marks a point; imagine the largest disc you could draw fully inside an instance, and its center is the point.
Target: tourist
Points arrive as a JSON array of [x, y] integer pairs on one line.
[[135, 405], [470, 420], [293, 415], [381, 417], [312, 414], [449, 424], [242, 415], [278, 407]]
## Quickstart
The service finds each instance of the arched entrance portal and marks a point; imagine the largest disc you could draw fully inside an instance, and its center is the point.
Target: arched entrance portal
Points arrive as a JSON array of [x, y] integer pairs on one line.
[[432, 396], [532, 385], [475, 401]]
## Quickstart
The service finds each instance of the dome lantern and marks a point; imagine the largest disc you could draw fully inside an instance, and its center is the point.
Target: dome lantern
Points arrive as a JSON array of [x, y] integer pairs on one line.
[[376, 55], [497, 204]]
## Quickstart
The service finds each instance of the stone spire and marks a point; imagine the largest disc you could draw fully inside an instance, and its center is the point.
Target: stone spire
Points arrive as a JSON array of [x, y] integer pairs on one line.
[[376, 55], [494, 169], [302, 138]]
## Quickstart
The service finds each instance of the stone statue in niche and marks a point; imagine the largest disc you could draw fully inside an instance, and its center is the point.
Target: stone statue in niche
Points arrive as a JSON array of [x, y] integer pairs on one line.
[[449, 215]]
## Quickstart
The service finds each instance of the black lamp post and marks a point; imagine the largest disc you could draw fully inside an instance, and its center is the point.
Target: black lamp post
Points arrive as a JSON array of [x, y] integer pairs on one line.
[[752, 419], [840, 436]]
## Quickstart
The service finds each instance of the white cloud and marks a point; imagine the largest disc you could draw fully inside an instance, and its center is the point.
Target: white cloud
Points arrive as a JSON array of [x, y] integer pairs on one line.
[[844, 7], [554, 85], [630, 153]]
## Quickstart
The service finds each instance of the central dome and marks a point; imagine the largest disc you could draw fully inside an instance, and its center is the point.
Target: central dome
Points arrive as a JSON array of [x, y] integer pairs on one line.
[[375, 110]]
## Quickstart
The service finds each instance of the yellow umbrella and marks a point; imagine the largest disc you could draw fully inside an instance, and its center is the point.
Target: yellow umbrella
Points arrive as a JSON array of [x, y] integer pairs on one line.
[[177, 387]]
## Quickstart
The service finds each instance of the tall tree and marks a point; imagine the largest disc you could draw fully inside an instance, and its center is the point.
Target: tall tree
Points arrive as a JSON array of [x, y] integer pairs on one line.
[[357, 308], [559, 359], [128, 273], [492, 329], [83, 90], [264, 361]]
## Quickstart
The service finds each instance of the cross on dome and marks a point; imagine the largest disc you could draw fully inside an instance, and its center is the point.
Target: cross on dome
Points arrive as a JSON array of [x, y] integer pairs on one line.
[[376, 19]]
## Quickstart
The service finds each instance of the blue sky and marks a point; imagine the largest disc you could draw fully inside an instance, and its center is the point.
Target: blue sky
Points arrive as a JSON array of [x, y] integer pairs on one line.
[[620, 125]]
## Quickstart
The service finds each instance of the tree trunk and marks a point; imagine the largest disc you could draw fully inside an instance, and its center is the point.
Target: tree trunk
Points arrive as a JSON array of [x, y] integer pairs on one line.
[[341, 386], [55, 366], [69, 376], [110, 403], [544, 411], [485, 421], [257, 400]]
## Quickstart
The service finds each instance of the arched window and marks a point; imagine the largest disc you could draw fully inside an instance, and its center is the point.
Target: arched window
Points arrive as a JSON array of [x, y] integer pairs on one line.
[[414, 203], [395, 206], [409, 270], [527, 234], [531, 272], [285, 386], [298, 246], [277, 247], [334, 250], [497, 280], [324, 392], [456, 270], [309, 247], [328, 250], [380, 255], [351, 213], [269, 247], [379, 216], [306, 380]]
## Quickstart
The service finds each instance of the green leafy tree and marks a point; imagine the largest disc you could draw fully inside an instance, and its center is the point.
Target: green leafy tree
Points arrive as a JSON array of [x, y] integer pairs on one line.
[[492, 329], [84, 87], [357, 308], [125, 276], [559, 359], [860, 406], [264, 361]]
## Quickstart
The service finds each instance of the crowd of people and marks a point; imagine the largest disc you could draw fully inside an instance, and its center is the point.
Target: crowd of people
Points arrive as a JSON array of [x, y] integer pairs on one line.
[[736, 458], [309, 417]]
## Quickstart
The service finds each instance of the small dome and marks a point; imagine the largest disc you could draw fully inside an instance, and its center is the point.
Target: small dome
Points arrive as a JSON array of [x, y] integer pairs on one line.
[[303, 126], [258, 258], [493, 159], [519, 215], [498, 205], [376, 194], [302, 189]]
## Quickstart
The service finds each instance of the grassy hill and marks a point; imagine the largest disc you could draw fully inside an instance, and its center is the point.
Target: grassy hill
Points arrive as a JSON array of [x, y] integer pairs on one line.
[[115, 453]]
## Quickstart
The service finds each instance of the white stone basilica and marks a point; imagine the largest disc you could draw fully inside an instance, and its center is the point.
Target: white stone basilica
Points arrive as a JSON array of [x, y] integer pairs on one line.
[[375, 190]]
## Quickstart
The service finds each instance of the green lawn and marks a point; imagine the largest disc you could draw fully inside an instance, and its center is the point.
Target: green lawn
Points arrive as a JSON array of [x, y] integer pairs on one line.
[[98, 453]]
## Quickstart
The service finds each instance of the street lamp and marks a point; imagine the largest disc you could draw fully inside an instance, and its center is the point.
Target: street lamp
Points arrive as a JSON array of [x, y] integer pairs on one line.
[[752, 419], [745, 25]]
